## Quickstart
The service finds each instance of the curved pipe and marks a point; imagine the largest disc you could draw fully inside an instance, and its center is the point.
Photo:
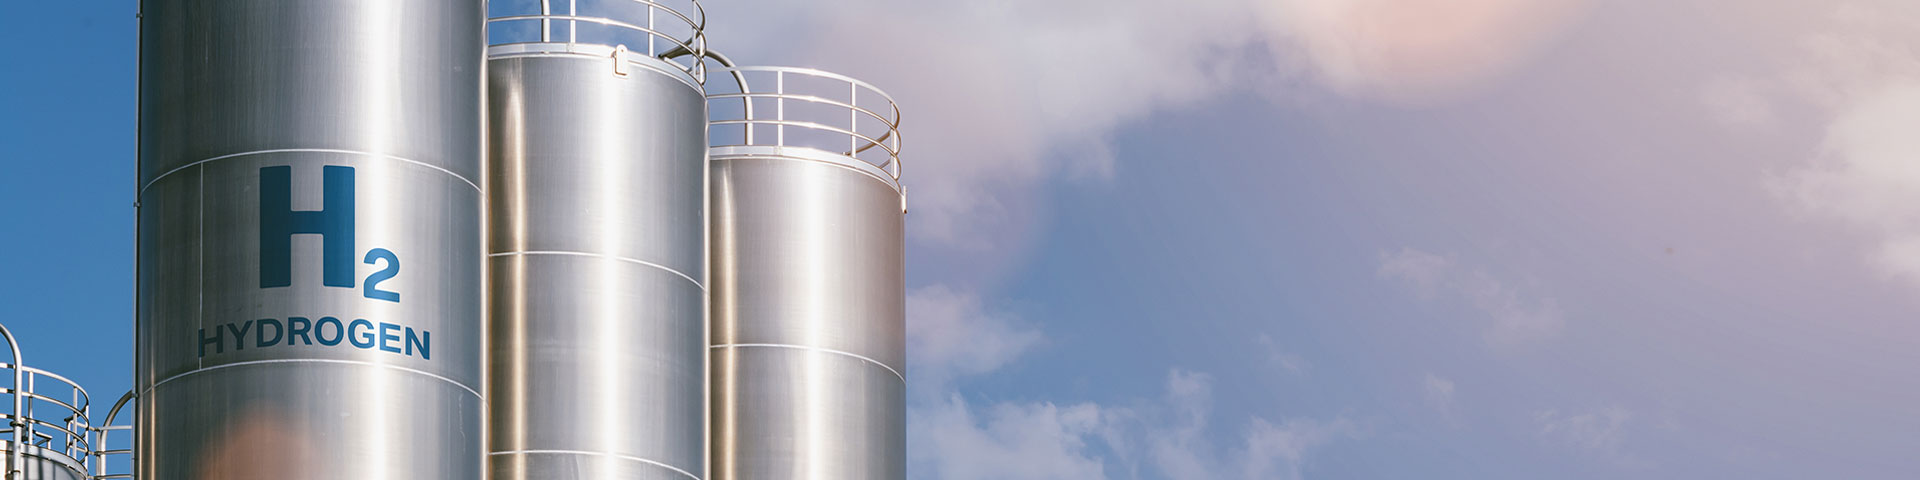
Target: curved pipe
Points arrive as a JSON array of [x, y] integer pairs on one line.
[[18, 444], [100, 442]]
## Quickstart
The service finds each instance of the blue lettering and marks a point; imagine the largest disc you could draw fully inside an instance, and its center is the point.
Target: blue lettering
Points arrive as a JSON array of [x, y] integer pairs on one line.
[[260, 335], [297, 327], [279, 223], [384, 337], [218, 345], [358, 332], [320, 331], [240, 335], [422, 341], [329, 331], [373, 281]]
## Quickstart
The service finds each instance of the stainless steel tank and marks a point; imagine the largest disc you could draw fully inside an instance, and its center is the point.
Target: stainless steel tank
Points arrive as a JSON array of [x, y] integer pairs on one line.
[[598, 246], [808, 295], [310, 253]]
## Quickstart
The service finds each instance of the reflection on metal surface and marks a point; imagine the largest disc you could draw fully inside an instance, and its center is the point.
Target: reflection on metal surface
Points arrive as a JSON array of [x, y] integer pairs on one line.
[[808, 330], [260, 443], [310, 253], [598, 247]]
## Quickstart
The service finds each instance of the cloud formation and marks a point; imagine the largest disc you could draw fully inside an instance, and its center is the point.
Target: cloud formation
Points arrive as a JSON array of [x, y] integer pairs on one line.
[[1859, 70], [1000, 96], [953, 337], [1598, 431], [1513, 320], [1415, 51], [949, 334], [1287, 361], [1439, 393]]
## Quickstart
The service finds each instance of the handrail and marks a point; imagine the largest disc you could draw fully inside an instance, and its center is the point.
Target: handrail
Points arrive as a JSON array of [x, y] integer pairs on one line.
[[694, 27], [100, 450], [773, 83], [18, 445], [39, 420]]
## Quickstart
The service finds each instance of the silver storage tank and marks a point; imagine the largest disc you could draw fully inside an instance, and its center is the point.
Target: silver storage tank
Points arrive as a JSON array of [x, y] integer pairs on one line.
[[808, 295], [598, 242], [310, 252]]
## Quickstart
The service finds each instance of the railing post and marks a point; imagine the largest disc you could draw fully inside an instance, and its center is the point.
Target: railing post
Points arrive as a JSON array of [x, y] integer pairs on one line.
[[19, 442], [780, 107], [853, 119], [546, 24]]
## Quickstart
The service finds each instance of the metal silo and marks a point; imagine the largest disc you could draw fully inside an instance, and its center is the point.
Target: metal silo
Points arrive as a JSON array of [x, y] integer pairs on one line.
[[598, 241], [808, 295], [310, 252]]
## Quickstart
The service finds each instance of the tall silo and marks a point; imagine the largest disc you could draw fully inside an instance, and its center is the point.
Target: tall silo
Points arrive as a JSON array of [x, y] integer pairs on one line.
[[808, 295], [598, 241], [310, 252]]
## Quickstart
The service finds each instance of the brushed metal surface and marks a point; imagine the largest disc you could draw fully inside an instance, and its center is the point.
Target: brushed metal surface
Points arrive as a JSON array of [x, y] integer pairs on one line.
[[38, 463], [599, 269], [232, 90], [808, 321]]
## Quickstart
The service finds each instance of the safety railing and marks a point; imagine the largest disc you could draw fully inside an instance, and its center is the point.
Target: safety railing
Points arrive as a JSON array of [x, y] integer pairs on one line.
[[655, 28], [803, 108], [111, 460], [46, 413]]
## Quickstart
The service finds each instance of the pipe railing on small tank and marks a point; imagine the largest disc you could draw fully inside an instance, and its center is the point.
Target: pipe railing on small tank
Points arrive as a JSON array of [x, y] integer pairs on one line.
[[822, 128], [47, 424], [102, 451], [660, 41]]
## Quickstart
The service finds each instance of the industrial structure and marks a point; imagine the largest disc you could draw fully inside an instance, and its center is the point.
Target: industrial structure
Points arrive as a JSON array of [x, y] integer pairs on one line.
[[808, 338], [625, 256], [598, 252]]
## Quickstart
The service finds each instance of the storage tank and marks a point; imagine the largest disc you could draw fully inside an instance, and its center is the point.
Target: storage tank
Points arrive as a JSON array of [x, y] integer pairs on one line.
[[598, 242], [808, 295], [310, 251]]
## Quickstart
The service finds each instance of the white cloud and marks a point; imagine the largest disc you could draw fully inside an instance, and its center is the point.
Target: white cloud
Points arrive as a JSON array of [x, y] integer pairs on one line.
[[950, 334], [1861, 70], [1600, 431], [1178, 446], [1416, 51], [1000, 96], [1426, 271], [1869, 174], [1006, 441], [1513, 320], [1275, 356], [1169, 436], [1439, 393]]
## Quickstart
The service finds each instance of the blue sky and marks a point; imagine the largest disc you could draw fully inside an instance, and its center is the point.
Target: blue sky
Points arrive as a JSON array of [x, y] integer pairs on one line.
[[1283, 239]]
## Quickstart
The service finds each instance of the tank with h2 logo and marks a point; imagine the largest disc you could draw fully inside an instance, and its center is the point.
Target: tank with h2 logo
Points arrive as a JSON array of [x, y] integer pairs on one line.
[[311, 247]]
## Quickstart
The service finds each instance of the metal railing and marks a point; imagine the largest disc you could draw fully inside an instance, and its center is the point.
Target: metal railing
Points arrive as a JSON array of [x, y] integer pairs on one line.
[[613, 23], [792, 107], [40, 418], [103, 452]]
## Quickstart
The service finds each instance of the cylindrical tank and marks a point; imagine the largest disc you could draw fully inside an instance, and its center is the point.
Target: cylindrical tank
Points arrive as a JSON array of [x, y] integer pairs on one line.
[[293, 156], [598, 247], [808, 296], [41, 463]]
